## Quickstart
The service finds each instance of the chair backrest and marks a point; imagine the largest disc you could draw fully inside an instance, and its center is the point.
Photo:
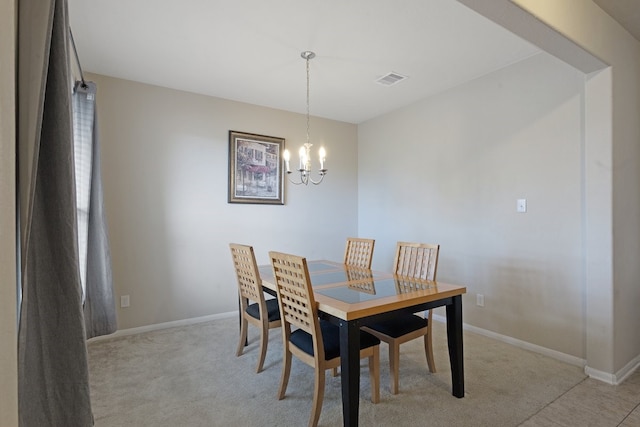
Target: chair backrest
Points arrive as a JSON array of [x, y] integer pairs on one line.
[[359, 252], [417, 260], [249, 282], [295, 297]]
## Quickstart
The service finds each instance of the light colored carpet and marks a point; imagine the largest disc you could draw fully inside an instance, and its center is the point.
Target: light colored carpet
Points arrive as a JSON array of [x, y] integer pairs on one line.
[[190, 376]]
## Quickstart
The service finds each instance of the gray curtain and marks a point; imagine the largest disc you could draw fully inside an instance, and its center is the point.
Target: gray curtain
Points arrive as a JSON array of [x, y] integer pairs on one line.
[[53, 379], [99, 305]]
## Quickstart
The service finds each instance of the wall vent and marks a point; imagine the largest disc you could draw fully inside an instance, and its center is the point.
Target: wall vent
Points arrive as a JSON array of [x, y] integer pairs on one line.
[[391, 79]]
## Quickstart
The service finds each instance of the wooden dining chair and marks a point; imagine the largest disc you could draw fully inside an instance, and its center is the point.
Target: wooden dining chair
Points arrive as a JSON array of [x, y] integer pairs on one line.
[[417, 261], [263, 313], [359, 252], [315, 342]]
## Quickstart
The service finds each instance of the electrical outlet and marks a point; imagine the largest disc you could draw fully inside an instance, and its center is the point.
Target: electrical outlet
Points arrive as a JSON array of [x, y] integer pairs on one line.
[[480, 300], [124, 301]]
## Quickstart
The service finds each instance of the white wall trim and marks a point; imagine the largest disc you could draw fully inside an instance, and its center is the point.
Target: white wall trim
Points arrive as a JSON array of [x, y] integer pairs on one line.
[[618, 377], [563, 357], [165, 325], [628, 369], [600, 375]]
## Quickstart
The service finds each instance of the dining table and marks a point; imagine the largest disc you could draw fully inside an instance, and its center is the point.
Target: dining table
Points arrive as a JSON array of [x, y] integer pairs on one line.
[[351, 297]]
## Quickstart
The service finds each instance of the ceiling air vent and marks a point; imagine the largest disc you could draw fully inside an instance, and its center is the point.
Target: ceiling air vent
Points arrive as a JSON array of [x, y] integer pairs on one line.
[[391, 79]]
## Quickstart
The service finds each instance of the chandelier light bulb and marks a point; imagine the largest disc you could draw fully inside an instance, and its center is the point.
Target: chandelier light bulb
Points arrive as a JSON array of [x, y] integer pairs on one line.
[[303, 158], [286, 157], [323, 155]]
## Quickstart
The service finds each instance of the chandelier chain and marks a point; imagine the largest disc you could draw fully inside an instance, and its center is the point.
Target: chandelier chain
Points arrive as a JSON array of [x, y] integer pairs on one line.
[[308, 100]]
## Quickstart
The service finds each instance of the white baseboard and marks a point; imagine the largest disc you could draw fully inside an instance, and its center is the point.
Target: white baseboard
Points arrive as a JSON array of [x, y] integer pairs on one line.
[[612, 379], [627, 370], [618, 377], [165, 325], [563, 357], [605, 377]]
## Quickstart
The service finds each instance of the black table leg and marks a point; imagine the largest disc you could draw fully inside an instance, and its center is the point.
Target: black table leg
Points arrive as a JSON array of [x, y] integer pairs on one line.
[[454, 338], [350, 371], [246, 341]]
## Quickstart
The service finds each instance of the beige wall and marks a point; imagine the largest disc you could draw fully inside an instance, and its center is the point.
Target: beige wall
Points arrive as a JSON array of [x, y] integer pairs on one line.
[[580, 33], [165, 170], [8, 333], [449, 170], [576, 20]]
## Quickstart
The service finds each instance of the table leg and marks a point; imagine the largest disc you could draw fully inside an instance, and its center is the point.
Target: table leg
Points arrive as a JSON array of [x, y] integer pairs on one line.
[[350, 371], [454, 338], [246, 341]]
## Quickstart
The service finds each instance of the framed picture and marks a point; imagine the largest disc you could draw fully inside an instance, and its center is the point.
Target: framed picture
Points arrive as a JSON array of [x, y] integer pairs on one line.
[[255, 169]]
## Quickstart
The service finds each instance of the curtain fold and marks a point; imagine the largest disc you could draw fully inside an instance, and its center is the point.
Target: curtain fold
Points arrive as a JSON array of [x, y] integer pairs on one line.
[[53, 379], [35, 19], [99, 304]]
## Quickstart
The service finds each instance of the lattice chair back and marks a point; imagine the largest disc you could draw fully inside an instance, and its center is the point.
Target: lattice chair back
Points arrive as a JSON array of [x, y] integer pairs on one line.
[[249, 283], [359, 252], [417, 260]]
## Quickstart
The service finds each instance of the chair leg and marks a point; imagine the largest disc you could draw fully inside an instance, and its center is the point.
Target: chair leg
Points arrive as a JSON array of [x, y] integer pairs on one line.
[[284, 377], [394, 366], [243, 335], [374, 374], [428, 350], [334, 372], [318, 395], [264, 339]]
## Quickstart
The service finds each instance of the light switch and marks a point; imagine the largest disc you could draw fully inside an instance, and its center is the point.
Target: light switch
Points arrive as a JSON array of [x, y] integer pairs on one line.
[[124, 301], [521, 205]]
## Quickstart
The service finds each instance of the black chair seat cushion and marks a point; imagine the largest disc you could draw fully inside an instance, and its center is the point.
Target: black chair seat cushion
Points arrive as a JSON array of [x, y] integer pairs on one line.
[[330, 339], [400, 325], [273, 311]]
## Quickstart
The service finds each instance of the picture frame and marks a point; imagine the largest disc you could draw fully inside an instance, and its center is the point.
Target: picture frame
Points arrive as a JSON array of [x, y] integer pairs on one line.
[[255, 169]]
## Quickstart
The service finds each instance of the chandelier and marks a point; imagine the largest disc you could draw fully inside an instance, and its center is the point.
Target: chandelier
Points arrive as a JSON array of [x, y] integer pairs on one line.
[[304, 167]]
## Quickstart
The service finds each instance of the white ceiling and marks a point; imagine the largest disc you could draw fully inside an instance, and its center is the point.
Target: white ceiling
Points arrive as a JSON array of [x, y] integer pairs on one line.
[[249, 50]]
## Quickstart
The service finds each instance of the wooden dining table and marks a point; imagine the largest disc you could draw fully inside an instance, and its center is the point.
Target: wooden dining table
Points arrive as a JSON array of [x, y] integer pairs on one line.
[[351, 297]]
